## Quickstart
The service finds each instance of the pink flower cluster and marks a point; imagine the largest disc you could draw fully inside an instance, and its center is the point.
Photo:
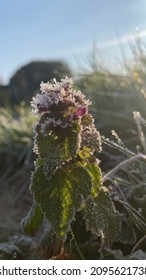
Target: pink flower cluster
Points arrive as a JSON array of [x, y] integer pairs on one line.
[[61, 103]]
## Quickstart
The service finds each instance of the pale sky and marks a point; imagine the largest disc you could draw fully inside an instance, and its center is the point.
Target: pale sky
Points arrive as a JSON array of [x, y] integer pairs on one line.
[[65, 29]]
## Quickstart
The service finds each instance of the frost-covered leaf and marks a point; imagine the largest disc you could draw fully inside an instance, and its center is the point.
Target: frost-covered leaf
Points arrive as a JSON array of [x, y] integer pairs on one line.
[[58, 146], [81, 183], [33, 219], [95, 173], [60, 197], [64, 140], [102, 218], [90, 137]]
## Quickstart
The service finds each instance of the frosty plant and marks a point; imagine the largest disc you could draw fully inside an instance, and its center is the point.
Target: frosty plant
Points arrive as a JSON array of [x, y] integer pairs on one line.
[[67, 177]]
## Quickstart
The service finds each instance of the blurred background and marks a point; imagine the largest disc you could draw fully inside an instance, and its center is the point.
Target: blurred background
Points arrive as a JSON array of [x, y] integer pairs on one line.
[[101, 45]]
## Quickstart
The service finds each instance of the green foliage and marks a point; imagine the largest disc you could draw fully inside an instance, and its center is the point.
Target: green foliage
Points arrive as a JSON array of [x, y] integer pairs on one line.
[[33, 220], [60, 197], [67, 178], [114, 96], [128, 179], [101, 217], [57, 147], [15, 136]]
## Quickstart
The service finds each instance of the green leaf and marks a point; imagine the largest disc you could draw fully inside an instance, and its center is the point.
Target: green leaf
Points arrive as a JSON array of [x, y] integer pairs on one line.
[[59, 146], [102, 218], [96, 175], [85, 155], [55, 200], [81, 183], [60, 197], [33, 220]]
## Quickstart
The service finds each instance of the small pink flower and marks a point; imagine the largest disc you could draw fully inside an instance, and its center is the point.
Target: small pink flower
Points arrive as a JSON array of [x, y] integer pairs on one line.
[[81, 111]]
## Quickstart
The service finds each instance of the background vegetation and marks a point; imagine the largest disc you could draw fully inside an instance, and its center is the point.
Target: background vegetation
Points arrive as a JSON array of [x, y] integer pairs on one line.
[[114, 99]]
